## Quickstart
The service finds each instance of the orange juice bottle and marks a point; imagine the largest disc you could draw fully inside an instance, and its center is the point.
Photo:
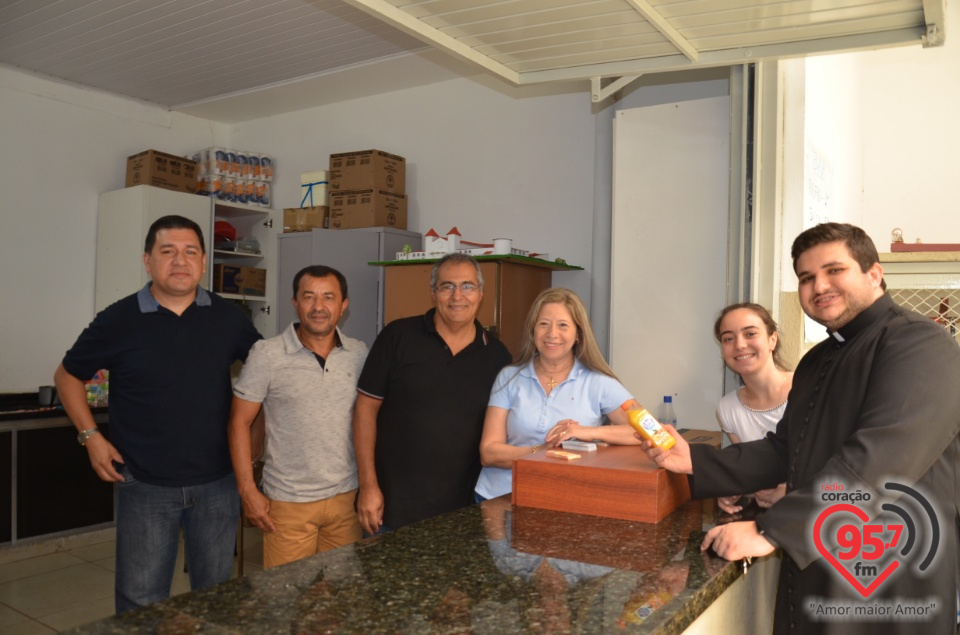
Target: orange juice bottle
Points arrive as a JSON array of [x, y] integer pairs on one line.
[[646, 426]]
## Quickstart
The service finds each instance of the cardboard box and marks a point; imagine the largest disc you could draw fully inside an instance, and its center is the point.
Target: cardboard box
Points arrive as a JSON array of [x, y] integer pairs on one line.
[[710, 437], [367, 208], [162, 170], [613, 482], [241, 280], [368, 169], [303, 219]]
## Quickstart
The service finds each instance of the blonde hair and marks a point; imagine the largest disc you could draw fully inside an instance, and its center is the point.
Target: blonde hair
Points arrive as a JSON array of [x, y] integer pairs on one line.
[[585, 348]]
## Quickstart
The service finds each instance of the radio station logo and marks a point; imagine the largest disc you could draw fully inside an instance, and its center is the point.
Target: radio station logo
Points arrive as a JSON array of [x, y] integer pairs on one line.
[[866, 549]]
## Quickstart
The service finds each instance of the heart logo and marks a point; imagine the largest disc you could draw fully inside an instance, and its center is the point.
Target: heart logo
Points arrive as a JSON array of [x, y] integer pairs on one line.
[[818, 541]]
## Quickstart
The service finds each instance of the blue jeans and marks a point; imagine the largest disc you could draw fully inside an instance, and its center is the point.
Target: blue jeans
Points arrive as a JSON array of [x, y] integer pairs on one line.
[[148, 535]]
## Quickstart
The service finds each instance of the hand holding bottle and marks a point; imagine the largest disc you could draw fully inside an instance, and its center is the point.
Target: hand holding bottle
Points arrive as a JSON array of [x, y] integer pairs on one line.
[[676, 459], [647, 426]]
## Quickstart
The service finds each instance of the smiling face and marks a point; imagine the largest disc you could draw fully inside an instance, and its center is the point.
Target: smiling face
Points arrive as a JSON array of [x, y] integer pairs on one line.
[[832, 288], [555, 333], [319, 305], [454, 307], [175, 263], [746, 346]]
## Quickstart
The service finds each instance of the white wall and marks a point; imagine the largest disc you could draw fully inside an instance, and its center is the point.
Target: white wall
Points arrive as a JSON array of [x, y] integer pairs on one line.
[[834, 136], [484, 157], [887, 120], [669, 269], [491, 161], [62, 146], [529, 163], [911, 139], [493, 164], [649, 90]]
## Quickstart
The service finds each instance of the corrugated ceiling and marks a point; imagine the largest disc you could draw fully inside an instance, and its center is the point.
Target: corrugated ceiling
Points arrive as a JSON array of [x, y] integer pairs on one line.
[[176, 52], [530, 41], [182, 52]]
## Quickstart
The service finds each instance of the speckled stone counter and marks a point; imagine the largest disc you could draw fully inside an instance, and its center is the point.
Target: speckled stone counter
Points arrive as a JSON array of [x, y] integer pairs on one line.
[[483, 569]]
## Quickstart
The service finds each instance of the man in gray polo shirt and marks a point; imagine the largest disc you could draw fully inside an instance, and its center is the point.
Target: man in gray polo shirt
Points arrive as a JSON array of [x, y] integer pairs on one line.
[[306, 380]]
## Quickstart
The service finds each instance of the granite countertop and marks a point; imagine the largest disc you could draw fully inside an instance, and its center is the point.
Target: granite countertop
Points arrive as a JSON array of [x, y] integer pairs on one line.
[[483, 569]]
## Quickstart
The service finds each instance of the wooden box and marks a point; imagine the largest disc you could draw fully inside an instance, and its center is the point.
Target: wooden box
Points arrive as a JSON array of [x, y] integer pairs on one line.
[[613, 482], [622, 544]]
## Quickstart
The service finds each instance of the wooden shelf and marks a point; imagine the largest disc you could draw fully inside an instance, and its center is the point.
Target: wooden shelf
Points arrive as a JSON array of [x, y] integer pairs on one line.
[[240, 296], [921, 256], [228, 253]]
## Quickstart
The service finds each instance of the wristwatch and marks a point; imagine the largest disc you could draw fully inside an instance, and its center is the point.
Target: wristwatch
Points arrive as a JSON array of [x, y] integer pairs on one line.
[[86, 434]]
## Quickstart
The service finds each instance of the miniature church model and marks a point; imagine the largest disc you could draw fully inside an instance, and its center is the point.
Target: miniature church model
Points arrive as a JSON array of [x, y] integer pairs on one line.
[[435, 245]]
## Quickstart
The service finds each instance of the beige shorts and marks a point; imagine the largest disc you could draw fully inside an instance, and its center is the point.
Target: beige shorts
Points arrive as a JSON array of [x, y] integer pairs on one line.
[[304, 529]]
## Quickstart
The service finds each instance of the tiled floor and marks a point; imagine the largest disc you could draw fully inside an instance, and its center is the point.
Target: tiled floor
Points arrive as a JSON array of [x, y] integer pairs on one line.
[[60, 584]]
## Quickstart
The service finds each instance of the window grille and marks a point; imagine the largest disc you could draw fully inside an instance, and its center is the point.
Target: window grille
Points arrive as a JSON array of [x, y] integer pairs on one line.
[[936, 295]]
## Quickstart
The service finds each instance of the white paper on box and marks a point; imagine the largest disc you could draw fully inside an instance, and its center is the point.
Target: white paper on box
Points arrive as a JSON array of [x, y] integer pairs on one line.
[[314, 189]]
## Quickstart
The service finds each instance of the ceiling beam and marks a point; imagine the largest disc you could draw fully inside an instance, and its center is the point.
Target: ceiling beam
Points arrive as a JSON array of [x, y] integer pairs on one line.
[[405, 22], [672, 63], [657, 20], [933, 13], [598, 92]]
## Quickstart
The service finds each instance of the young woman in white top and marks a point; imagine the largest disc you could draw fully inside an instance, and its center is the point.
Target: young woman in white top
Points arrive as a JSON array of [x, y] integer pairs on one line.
[[750, 346]]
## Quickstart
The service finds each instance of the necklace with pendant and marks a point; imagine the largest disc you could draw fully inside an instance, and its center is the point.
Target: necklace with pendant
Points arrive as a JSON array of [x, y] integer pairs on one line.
[[551, 382]]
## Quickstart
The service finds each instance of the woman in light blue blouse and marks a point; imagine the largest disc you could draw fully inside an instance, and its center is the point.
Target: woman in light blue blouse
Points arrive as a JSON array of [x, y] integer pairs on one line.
[[560, 388]]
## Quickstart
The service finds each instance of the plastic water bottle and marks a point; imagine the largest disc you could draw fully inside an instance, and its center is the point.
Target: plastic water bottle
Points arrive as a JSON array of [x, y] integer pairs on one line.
[[667, 413]]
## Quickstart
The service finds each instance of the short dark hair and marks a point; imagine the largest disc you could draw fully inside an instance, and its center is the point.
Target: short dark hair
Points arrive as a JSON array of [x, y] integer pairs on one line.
[[455, 258], [857, 242], [320, 271], [171, 222]]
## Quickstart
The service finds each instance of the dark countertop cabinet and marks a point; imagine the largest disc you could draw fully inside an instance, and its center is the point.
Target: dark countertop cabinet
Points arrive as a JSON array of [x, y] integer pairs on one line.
[[6, 487], [46, 483], [57, 490], [488, 568]]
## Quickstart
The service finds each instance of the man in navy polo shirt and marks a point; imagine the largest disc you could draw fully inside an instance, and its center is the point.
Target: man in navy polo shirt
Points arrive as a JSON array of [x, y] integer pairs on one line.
[[420, 405], [168, 348]]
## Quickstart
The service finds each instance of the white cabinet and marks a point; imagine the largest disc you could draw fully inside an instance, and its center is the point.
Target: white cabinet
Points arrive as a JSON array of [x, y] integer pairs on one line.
[[125, 216], [250, 221], [348, 251]]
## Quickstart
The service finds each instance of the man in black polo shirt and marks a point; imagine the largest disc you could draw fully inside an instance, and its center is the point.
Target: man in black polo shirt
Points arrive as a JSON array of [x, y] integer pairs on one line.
[[421, 400], [168, 348]]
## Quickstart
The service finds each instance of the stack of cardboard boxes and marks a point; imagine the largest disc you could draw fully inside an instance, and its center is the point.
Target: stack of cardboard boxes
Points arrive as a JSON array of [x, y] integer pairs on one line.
[[366, 188]]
